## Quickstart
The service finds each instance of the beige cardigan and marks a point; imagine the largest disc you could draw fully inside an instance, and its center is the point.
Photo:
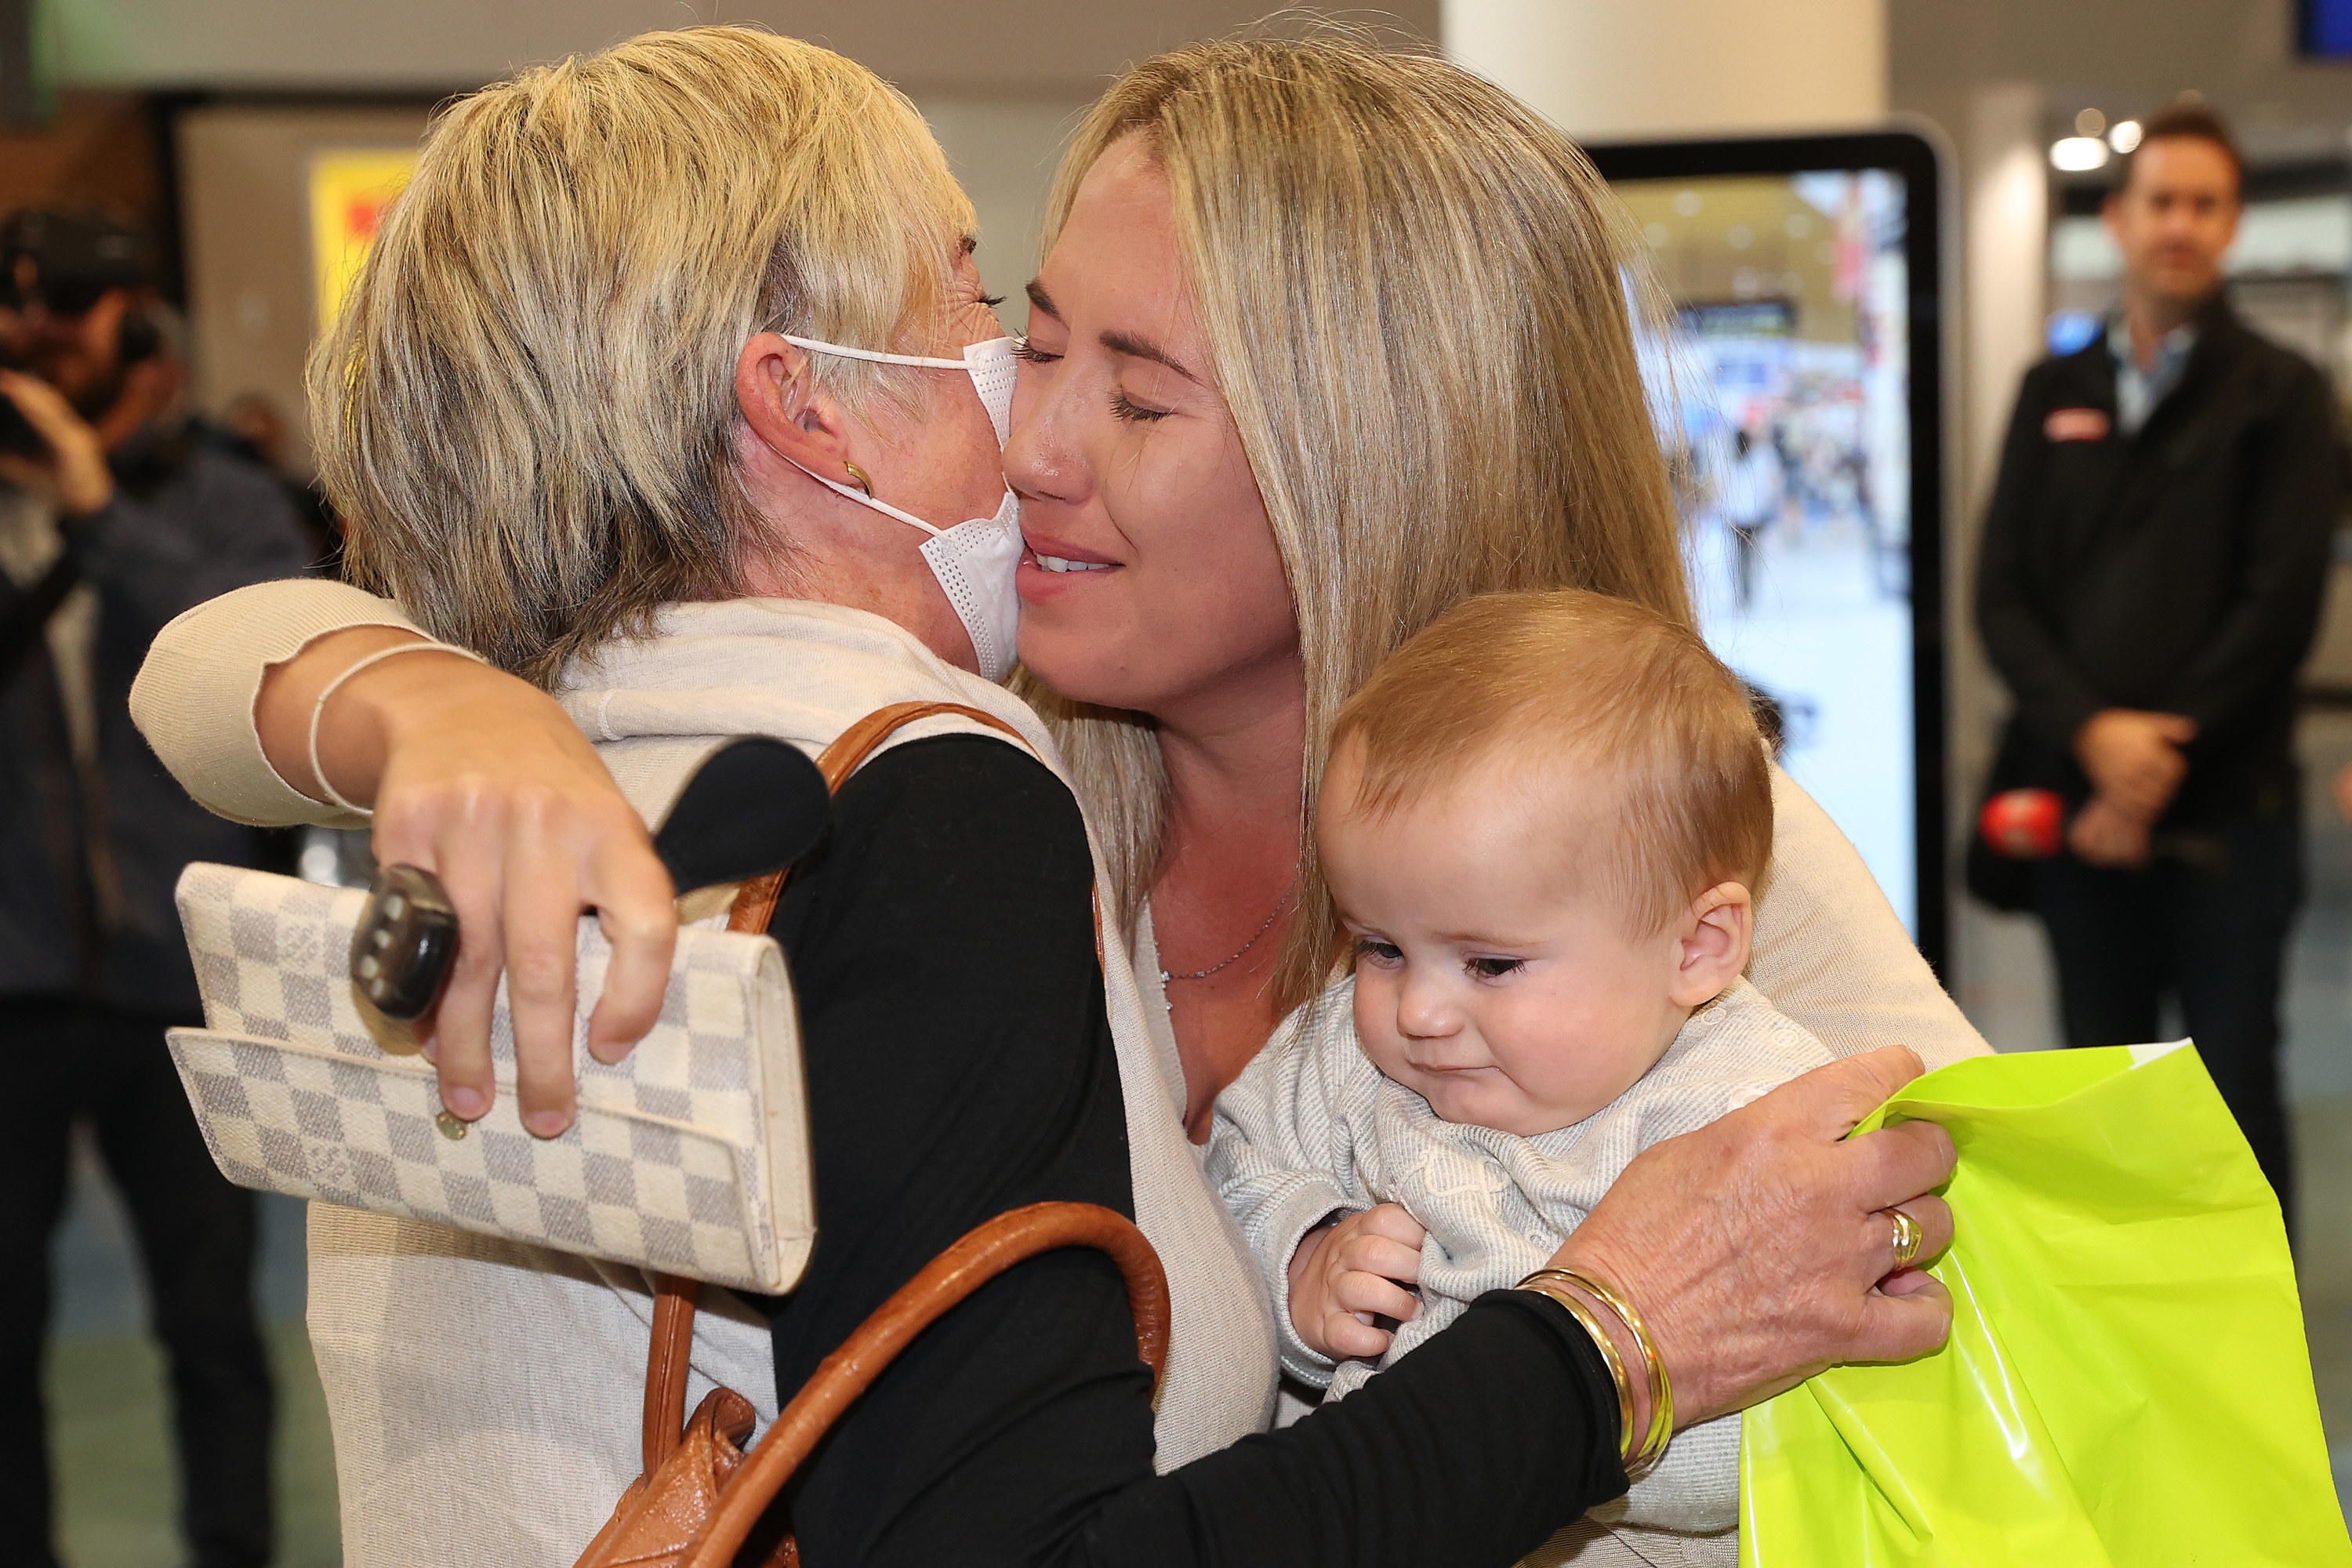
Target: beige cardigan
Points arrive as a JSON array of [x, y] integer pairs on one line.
[[467, 1380]]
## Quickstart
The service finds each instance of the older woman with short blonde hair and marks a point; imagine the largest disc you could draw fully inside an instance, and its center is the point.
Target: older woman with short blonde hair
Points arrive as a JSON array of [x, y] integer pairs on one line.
[[1326, 340]]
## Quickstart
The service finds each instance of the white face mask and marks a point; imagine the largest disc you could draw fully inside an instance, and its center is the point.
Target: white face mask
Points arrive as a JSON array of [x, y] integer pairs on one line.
[[975, 561]]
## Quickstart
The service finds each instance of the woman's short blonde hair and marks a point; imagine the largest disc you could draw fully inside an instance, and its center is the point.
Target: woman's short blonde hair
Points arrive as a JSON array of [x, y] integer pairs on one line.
[[527, 412], [1416, 296]]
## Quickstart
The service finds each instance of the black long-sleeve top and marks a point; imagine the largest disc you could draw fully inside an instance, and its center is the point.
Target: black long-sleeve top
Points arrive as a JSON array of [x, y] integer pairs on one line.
[[961, 1063], [2179, 569]]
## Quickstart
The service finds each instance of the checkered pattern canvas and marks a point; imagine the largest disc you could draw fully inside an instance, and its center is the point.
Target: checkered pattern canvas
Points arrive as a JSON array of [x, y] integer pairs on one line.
[[689, 1156]]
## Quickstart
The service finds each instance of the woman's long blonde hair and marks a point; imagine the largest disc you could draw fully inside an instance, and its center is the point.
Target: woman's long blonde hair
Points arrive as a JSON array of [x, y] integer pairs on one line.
[[1415, 293], [527, 409]]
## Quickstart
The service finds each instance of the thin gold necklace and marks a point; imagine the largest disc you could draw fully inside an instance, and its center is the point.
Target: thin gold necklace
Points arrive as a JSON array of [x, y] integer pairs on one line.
[[1271, 916]]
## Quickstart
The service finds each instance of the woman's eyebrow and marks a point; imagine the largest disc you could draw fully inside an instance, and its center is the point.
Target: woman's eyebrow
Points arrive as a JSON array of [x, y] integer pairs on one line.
[[1117, 342], [1144, 348]]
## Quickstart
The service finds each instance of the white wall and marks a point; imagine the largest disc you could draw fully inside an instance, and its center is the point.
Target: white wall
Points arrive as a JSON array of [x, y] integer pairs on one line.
[[1610, 69], [246, 220], [2000, 967], [1005, 150]]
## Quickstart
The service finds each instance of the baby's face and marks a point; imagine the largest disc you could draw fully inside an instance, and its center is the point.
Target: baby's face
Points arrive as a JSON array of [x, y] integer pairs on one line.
[[1486, 981]]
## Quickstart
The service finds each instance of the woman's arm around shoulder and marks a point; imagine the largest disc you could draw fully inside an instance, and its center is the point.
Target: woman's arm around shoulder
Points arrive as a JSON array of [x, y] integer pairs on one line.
[[474, 774], [1832, 953], [195, 695]]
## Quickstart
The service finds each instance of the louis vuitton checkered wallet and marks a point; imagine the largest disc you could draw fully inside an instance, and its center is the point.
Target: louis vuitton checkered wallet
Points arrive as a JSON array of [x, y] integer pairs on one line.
[[689, 1156]]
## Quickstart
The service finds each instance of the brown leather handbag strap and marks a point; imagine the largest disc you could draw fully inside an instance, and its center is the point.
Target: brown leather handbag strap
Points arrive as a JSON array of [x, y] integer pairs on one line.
[[666, 1366], [755, 905], [985, 1252]]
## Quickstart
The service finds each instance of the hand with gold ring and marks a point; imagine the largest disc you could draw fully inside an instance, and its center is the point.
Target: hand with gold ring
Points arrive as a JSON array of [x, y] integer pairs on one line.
[[1908, 1239], [1758, 1246]]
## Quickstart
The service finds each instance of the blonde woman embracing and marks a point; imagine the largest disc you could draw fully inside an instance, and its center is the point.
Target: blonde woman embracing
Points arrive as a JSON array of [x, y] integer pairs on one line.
[[1325, 341]]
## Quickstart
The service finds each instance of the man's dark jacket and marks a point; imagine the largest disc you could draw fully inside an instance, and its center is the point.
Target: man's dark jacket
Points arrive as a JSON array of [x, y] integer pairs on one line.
[[187, 522], [2178, 570]]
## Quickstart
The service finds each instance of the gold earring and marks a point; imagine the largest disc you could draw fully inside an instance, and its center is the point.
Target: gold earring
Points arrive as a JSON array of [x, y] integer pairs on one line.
[[857, 477]]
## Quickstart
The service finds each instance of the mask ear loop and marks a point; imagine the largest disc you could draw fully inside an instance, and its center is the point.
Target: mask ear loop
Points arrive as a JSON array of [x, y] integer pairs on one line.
[[817, 345]]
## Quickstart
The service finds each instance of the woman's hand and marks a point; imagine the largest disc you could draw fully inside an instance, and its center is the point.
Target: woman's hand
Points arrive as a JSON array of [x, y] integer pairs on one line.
[[1759, 1249], [483, 780], [1344, 1275]]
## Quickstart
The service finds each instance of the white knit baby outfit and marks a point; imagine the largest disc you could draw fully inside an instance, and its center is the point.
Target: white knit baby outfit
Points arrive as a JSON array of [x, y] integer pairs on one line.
[[1311, 1129]]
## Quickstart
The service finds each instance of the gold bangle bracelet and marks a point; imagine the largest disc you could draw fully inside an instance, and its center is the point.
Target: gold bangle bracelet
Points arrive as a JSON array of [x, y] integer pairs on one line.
[[1591, 1325], [1662, 1393]]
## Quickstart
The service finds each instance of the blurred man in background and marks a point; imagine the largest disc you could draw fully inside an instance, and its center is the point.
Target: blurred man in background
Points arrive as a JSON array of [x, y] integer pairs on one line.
[[115, 514], [2151, 578]]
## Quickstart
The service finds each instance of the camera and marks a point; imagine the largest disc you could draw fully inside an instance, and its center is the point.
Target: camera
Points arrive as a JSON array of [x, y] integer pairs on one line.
[[62, 264]]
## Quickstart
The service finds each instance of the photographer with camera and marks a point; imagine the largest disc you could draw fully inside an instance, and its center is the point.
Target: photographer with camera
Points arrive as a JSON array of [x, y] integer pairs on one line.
[[115, 514]]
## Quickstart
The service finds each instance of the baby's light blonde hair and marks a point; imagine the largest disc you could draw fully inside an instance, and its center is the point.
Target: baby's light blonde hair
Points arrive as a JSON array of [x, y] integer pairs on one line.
[[526, 412], [1631, 704], [1415, 292]]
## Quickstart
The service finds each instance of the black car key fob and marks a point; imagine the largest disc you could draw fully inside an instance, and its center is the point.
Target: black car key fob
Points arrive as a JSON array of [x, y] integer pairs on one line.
[[406, 939], [755, 805]]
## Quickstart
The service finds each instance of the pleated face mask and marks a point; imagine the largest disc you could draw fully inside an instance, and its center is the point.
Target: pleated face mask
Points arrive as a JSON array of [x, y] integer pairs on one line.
[[975, 561]]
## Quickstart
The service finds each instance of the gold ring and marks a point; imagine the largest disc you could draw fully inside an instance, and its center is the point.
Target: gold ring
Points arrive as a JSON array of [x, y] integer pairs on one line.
[[1908, 1238]]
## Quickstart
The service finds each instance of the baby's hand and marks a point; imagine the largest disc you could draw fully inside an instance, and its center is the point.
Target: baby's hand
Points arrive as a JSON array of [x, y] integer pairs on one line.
[[1344, 1274]]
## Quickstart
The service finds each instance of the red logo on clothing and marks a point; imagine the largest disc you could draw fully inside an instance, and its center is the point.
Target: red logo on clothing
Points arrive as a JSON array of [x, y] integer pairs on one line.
[[2076, 425]]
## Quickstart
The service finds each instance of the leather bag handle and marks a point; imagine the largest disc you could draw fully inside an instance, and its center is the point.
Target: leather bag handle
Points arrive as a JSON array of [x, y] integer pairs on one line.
[[755, 901], [984, 1252], [668, 1357]]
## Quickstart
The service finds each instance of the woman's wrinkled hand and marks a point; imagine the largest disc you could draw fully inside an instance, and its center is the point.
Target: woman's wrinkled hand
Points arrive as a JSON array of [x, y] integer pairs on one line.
[[483, 780], [1759, 1249], [1343, 1276]]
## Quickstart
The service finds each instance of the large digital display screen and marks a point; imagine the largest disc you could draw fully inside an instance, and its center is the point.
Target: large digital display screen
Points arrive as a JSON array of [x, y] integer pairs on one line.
[[2324, 29], [1795, 396]]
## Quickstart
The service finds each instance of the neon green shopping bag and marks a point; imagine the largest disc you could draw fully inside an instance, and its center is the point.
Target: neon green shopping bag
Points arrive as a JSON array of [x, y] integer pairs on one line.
[[2126, 1382]]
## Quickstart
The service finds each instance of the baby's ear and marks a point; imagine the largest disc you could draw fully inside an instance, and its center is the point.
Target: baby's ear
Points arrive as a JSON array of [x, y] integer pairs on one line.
[[1713, 946]]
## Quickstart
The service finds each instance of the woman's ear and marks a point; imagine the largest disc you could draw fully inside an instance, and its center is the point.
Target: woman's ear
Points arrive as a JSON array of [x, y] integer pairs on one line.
[[787, 412], [1712, 949]]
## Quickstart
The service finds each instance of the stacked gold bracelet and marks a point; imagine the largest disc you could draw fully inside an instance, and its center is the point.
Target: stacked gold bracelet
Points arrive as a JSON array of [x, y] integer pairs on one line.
[[1638, 1460]]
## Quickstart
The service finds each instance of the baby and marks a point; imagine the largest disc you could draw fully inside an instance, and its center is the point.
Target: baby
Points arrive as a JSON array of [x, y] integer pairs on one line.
[[1544, 823]]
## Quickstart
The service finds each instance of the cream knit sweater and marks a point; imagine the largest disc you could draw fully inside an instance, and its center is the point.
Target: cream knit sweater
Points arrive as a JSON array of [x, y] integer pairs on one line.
[[484, 1396]]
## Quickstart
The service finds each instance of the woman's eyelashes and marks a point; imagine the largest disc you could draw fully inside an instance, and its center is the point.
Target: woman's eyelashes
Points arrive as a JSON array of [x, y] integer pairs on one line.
[[1026, 350], [1490, 966], [1121, 407]]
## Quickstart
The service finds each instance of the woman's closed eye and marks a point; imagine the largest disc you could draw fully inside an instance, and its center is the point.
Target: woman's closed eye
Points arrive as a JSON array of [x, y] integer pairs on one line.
[[1123, 407], [1026, 349]]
